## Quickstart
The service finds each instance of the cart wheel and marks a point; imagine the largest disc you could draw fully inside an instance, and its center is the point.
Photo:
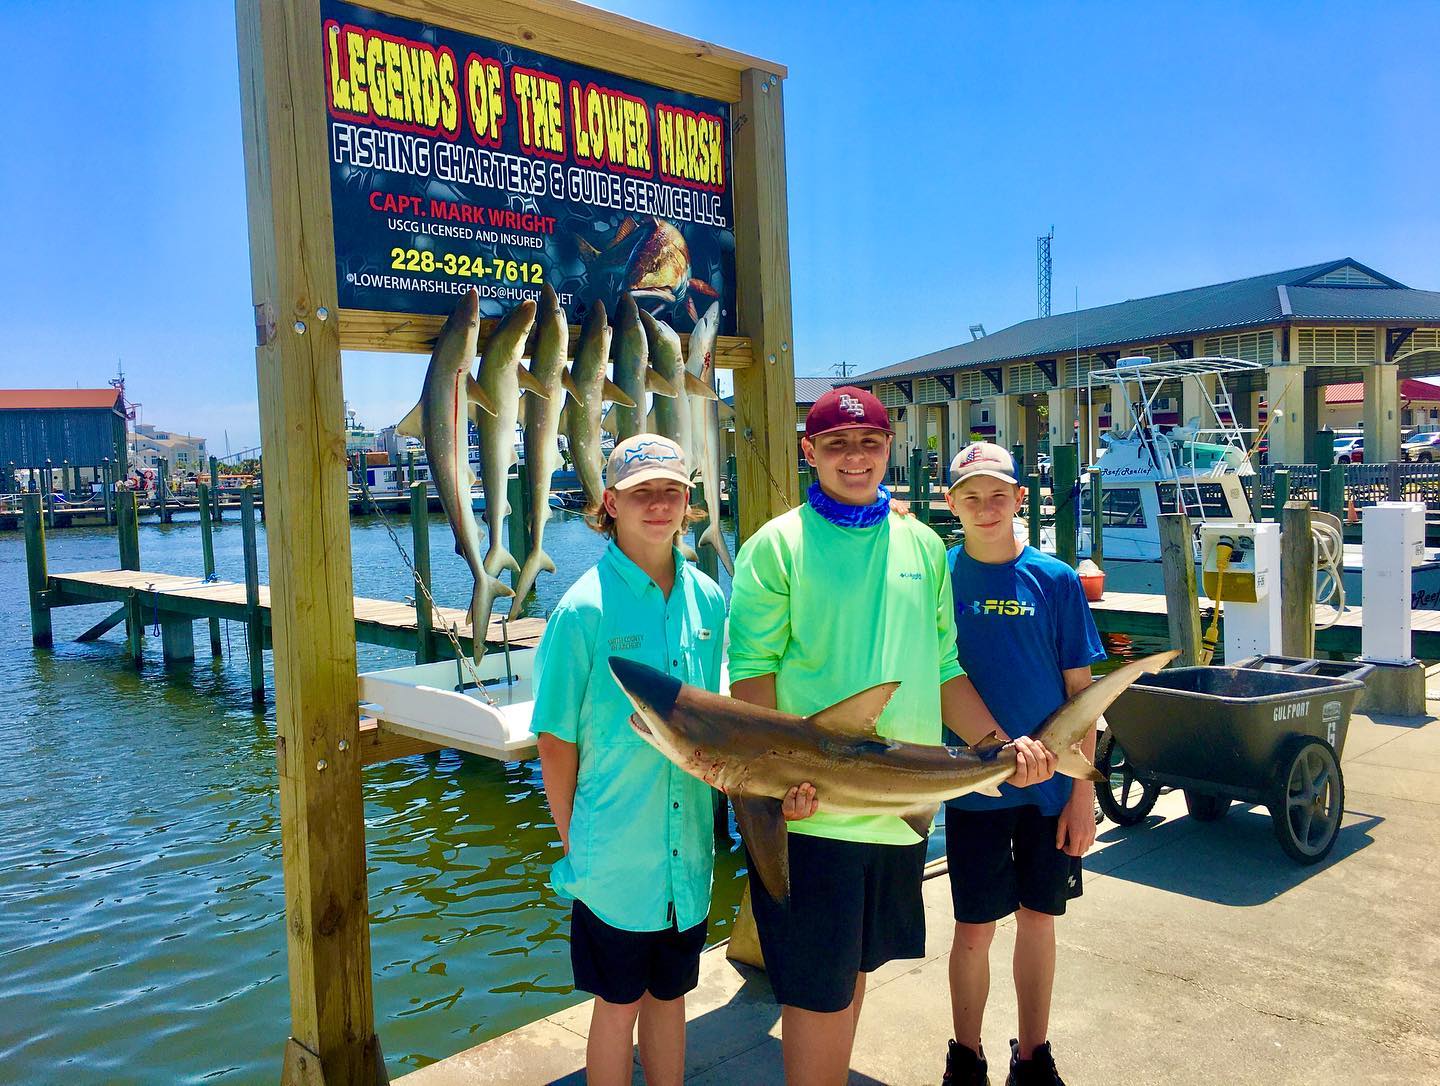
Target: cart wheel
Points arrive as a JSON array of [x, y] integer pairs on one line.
[[1123, 797], [1204, 808], [1307, 799]]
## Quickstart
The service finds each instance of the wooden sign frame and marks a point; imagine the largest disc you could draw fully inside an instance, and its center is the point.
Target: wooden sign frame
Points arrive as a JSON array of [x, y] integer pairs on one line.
[[300, 332]]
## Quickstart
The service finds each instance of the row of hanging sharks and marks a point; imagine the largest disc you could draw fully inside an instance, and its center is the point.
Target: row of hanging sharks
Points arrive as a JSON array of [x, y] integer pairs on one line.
[[648, 358]]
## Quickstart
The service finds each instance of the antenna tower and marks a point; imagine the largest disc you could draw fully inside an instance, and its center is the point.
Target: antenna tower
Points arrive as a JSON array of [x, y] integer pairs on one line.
[[1042, 273]]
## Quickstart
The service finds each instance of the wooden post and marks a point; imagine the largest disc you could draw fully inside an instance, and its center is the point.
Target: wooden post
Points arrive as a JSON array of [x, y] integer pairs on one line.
[[420, 548], [207, 553], [764, 390], [733, 487], [1393, 479], [1297, 576], [919, 485], [517, 522], [37, 573], [215, 488], [177, 638], [135, 627], [127, 529], [706, 559], [47, 494], [1279, 493], [1064, 482], [1177, 556], [1017, 451], [1324, 450], [108, 491], [1032, 486], [1097, 518], [292, 259], [162, 489], [254, 623], [1332, 490]]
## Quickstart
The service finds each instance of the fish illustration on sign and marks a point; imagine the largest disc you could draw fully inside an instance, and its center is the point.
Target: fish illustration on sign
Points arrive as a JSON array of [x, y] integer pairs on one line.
[[652, 263]]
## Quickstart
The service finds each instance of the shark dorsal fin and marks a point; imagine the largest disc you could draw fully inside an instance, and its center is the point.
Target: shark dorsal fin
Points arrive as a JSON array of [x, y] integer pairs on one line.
[[410, 426], [614, 394], [696, 387], [657, 384], [988, 747], [855, 717], [567, 379]]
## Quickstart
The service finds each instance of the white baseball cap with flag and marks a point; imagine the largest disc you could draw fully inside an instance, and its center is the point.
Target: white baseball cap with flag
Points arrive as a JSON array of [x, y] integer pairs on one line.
[[982, 458], [645, 456]]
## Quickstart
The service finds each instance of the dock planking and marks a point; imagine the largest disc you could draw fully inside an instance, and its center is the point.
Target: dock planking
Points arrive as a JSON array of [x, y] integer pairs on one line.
[[389, 623], [1144, 614]]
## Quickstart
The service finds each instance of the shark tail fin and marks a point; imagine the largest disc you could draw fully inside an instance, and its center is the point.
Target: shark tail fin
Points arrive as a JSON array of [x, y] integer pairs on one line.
[[712, 538], [499, 558], [529, 572]]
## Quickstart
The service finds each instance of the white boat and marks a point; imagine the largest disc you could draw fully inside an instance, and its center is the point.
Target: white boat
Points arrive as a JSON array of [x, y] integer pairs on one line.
[[1195, 468]]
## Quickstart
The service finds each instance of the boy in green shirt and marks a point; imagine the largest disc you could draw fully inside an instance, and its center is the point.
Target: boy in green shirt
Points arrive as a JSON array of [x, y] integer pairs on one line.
[[829, 599], [638, 832]]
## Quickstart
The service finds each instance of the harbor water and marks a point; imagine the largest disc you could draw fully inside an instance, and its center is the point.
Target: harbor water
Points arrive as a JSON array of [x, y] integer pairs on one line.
[[141, 898]]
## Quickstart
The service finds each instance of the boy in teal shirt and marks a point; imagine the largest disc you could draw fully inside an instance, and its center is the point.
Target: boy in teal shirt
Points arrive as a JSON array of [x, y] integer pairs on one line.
[[638, 832], [830, 599]]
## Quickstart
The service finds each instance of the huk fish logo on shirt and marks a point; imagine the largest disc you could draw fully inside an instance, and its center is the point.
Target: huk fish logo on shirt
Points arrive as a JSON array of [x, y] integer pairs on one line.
[[1002, 608]]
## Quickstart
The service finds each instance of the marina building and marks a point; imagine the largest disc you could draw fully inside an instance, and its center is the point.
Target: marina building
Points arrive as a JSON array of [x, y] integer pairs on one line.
[[74, 430], [185, 453], [1337, 323]]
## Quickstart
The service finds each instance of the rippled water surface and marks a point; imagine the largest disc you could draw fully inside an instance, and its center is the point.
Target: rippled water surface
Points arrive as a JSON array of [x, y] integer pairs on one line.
[[141, 897]]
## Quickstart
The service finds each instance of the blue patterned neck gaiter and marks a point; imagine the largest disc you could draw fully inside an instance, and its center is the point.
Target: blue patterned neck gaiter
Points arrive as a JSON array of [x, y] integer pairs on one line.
[[849, 516]]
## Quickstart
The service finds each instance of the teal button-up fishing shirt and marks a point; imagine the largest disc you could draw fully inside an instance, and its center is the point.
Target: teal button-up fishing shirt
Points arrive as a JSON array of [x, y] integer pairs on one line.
[[642, 845]]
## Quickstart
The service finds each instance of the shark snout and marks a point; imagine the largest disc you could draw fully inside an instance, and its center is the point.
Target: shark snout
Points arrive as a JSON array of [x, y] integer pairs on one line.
[[650, 690]]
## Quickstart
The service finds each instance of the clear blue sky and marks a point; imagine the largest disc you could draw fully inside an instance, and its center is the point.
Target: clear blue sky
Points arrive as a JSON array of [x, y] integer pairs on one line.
[[1171, 145]]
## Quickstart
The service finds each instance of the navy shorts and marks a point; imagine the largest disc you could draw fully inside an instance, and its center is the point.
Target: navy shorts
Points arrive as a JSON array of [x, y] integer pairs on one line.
[[621, 966], [1004, 858], [853, 907]]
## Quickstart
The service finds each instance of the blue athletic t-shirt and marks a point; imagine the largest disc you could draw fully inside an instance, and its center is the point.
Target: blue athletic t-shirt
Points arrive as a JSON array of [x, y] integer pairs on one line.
[[1019, 625]]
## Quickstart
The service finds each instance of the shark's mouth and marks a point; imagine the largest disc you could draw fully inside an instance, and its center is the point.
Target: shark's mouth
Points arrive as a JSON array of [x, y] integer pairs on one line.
[[641, 728]]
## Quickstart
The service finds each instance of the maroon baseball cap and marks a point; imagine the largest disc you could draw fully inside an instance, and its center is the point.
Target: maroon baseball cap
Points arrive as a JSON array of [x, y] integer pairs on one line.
[[846, 408]]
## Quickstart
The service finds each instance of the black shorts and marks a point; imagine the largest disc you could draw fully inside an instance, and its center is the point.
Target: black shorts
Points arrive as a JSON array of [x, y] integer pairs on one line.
[[621, 966], [1005, 858], [853, 907]]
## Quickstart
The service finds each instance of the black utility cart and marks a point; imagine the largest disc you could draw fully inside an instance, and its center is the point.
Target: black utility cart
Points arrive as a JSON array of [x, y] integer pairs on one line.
[[1268, 730]]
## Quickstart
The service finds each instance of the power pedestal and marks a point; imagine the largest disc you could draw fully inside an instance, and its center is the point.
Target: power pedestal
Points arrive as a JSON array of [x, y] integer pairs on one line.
[[1394, 543], [1240, 566]]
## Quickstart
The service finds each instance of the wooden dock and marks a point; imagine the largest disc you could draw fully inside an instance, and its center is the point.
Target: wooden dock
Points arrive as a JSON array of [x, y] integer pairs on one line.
[[1144, 614]]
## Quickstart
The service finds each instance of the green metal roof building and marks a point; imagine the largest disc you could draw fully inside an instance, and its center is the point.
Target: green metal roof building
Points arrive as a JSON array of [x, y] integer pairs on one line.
[[1332, 323]]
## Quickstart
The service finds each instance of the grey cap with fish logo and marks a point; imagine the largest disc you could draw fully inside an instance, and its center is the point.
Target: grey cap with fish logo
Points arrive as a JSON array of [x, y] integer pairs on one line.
[[645, 456]]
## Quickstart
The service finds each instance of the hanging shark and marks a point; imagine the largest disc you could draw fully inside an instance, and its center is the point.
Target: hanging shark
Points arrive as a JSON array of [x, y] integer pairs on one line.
[[756, 755]]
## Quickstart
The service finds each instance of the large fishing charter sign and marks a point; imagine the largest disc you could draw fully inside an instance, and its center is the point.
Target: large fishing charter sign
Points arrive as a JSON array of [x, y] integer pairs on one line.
[[459, 162]]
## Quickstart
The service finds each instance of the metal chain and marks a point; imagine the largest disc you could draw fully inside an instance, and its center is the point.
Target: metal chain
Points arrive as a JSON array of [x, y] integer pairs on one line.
[[448, 630], [748, 433]]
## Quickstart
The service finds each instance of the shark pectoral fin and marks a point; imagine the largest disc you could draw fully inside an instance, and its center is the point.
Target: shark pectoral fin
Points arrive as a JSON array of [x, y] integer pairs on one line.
[[762, 828], [610, 424], [855, 717], [921, 819], [697, 387], [658, 385], [989, 790], [530, 383], [568, 381], [614, 394], [478, 396], [410, 426]]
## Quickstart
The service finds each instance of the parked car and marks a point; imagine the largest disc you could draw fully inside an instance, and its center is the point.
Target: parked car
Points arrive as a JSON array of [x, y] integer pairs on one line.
[[1349, 450], [1421, 447]]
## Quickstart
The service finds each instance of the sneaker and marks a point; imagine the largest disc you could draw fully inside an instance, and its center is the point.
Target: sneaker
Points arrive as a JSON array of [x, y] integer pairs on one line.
[[964, 1068], [1038, 1070]]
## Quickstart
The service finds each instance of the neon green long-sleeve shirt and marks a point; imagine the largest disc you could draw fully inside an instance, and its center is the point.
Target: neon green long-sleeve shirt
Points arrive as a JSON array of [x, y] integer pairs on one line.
[[831, 611]]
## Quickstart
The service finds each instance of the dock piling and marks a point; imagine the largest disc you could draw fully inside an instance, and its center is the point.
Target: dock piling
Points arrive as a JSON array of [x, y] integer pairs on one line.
[[36, 571], [127, 525], [135, 627], [214, 512], [162, 489], [420, 547], [1279, 493], [254, 626], [1064, 489], [517, 522], [108, 491], [1297, 575], [1032, 487], [1097, 518], [1177, 557], [705, 558], [1332, 490], [207, 551]]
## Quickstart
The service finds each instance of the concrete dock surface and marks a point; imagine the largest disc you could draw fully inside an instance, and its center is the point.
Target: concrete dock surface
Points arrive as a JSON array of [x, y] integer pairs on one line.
[[1199, 953]]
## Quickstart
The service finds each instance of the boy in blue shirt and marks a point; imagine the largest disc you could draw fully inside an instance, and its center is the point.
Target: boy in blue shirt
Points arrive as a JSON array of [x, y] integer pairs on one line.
[[1027, 640], [638, 832]]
